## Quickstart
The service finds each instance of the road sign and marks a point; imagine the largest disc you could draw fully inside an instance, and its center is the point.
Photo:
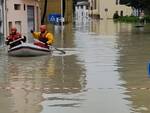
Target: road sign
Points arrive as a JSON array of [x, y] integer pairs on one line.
[[148, 69], [54, 18]]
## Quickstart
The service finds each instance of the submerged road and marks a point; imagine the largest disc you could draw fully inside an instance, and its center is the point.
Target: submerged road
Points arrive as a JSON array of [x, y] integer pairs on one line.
[[103, 71]]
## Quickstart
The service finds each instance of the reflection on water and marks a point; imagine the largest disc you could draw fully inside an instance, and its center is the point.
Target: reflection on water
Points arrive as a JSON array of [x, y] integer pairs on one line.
[[134, 55], [25, 80], [105, 63]]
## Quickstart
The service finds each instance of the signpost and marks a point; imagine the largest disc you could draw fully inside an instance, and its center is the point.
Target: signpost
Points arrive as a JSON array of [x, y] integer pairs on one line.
[[148, 69], [54, 18]]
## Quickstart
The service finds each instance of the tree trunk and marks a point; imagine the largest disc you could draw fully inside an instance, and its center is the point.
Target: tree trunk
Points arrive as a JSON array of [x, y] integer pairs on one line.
[[64, 7], [44, 12]]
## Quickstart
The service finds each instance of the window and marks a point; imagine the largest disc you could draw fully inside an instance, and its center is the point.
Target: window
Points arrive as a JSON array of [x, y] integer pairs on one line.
[[121, 13], [106, 9], [0, 15], [31, 17], [94, 4], [37, 17], [86, 7], [116, 2], [24, 7], [10, 26], [17, 6], [18, 25]]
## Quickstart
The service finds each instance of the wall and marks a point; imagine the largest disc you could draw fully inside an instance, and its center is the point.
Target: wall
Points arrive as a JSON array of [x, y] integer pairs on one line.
[[54, 6], [107, 9], [1, 17], [20, 15]]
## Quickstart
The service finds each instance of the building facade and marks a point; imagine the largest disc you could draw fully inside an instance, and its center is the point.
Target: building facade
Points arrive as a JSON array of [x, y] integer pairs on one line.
[[58, 6], [105, 9], [22, 14], [2, 17], [82, 10]]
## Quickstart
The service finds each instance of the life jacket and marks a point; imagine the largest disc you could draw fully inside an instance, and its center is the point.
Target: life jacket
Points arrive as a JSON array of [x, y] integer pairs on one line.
[[43, 38], [40, 44], [13, 37]]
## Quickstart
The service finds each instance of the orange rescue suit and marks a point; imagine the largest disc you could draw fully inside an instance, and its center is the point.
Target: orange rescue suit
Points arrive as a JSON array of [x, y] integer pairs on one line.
[[46, 37]]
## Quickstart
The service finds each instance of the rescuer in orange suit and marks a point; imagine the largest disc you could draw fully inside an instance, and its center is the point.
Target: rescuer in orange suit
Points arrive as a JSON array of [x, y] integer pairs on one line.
[[14, 38], [45, 38]]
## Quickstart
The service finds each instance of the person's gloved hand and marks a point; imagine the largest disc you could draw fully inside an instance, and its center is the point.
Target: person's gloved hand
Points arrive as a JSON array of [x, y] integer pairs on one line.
[[49, 44], [46, 44], [24, 39], [7, 42], [31, 31]]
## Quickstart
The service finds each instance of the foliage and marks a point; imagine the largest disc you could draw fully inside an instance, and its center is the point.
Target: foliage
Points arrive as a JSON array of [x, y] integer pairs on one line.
[[128, 19], [138, 4], [132, 19], [147, 19], [133, 3]]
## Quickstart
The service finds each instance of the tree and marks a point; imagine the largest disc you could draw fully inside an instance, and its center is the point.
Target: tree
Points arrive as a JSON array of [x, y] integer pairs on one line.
[[138, 4], [133, 3], [146, 5]]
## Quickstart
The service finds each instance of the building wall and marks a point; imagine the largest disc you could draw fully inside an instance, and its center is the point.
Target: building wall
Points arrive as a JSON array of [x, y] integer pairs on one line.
[[54, 6], [13, 16], [69, 11], [2, 22], [126, 10], [107, 8], [1, 18], [81, 12]]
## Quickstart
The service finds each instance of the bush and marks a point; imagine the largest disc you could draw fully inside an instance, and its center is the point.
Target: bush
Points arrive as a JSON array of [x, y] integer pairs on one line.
[[128, 19], [147, 18], [133, 19]]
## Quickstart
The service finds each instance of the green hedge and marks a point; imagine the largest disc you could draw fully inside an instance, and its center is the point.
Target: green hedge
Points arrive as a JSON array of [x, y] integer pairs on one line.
[[147, 19], [128, 19], [132, 19]]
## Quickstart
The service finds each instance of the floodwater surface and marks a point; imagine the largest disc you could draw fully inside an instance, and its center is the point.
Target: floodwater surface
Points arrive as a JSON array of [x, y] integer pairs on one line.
[[104, 70]]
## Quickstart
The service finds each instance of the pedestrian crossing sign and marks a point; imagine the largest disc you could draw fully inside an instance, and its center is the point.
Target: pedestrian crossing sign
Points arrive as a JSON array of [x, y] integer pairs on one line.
[[54, 18]]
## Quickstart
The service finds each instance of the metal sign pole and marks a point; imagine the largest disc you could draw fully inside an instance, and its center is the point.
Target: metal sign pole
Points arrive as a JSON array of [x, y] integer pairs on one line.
[[62, 40], [61, 13], [62, 23]]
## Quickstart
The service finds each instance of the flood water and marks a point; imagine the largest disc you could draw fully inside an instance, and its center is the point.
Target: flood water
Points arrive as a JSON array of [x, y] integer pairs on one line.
[[104, 70]]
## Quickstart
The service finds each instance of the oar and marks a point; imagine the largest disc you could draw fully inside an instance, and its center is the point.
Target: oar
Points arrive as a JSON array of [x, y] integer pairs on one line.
[[19, 39], [50, 46], [59, 50]]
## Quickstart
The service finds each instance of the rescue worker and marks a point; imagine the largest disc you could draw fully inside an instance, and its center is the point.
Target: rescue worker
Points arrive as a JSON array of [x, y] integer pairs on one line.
[[45, 38], [14, 38]]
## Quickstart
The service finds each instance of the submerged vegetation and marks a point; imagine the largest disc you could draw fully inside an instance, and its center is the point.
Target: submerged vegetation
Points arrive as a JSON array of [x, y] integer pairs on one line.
[[128, 19], [139, 5], [132, 19]]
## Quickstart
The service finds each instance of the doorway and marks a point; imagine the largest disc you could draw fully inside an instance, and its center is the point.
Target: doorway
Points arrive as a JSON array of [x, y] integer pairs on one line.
[[31, 20]]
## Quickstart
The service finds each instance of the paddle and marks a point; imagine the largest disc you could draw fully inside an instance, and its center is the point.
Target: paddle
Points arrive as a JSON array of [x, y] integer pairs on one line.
[[50, 46], [59, 50], [15, 41]]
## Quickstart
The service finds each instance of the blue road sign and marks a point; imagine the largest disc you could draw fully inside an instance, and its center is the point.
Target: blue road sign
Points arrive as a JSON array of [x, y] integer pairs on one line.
[[54, 18], [148, 69]]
